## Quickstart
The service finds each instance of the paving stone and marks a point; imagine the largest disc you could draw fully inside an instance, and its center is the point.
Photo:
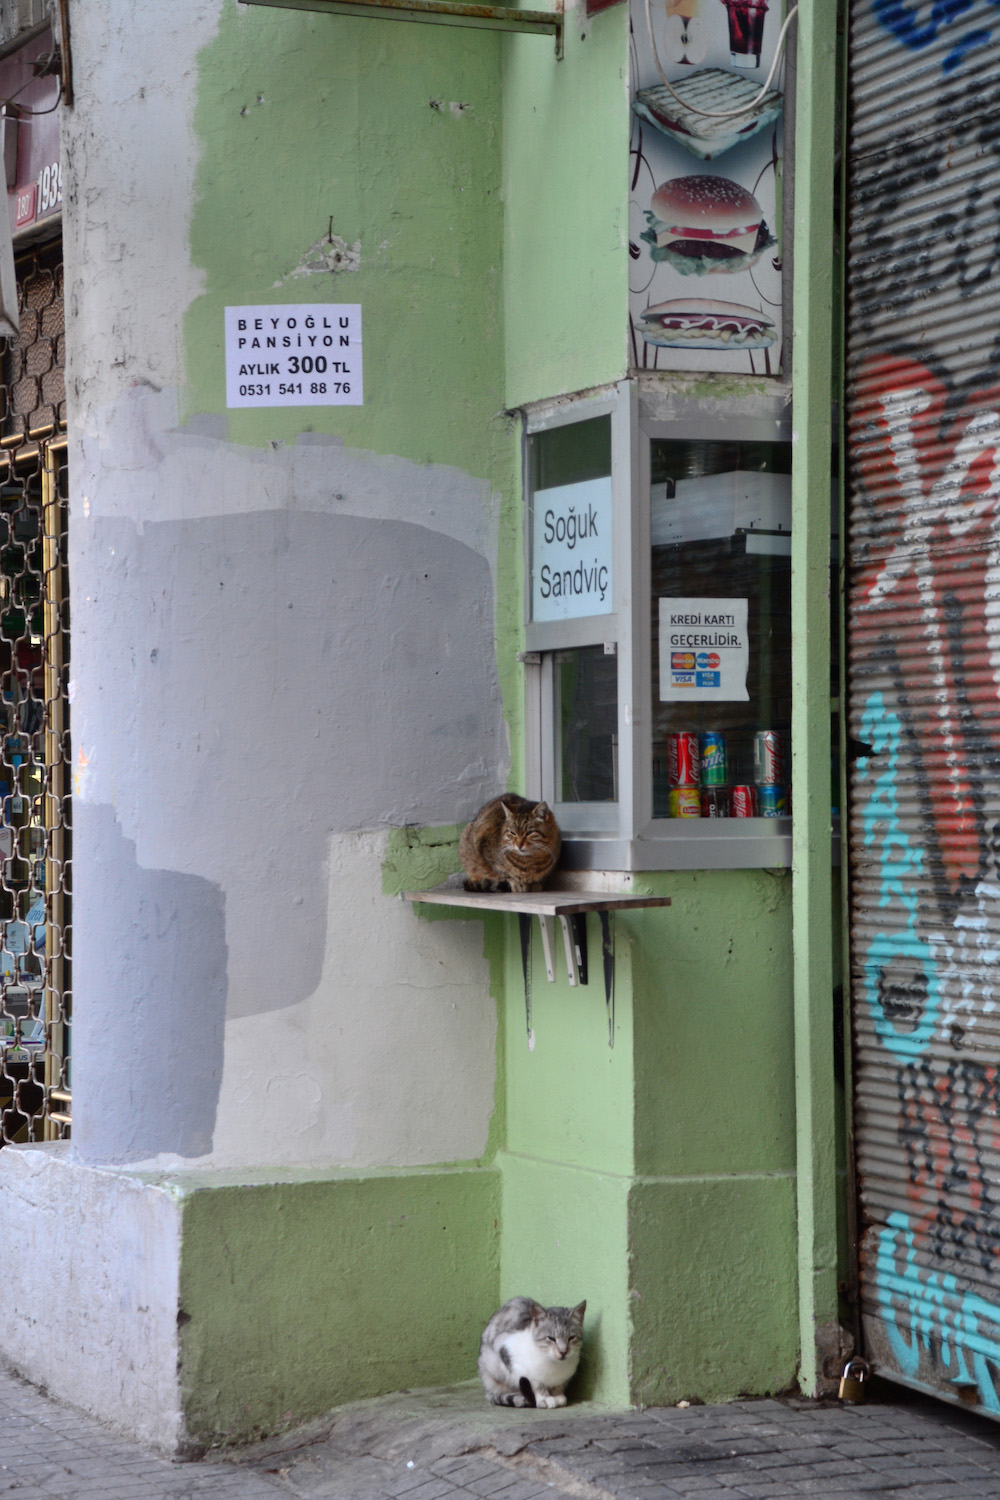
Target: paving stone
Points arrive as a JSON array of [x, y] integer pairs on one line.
[[748, 1450], [651, 1491], [413, 1484]]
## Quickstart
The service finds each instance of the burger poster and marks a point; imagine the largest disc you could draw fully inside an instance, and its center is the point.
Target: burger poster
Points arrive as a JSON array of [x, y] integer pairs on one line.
[[705, 185]]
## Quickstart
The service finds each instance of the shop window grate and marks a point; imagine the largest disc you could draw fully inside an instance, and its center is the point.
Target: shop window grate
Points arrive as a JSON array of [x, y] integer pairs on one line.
[[35, 820]]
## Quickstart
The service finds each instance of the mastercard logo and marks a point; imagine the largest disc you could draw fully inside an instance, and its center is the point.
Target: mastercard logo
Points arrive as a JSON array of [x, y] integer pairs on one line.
[[682, 661]]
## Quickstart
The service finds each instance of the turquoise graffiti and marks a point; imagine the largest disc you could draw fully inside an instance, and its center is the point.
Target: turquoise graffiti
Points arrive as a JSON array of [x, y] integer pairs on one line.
[[917, 26], [925, 1310], [899, 864]]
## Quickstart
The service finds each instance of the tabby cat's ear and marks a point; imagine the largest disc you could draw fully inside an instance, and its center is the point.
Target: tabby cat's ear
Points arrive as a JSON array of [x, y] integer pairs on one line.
[[542, 810], [580, 1310]]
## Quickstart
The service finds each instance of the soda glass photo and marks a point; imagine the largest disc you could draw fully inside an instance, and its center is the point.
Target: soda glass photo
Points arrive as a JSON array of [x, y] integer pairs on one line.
[[746, 31]]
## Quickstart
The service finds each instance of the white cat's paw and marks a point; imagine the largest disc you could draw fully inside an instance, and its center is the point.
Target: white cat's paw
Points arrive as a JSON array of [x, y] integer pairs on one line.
[[550, 1400]]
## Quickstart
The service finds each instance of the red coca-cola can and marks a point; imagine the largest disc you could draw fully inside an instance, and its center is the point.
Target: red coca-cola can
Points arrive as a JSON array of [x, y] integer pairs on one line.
[[742, 802], [768, 758], [683, 760]]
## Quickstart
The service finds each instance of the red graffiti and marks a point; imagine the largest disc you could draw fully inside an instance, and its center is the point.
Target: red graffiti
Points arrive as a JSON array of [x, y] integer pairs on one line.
[[948, 1129], [928, 587]]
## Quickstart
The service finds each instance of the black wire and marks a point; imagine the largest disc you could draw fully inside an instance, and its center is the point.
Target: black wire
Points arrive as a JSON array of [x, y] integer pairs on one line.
[[31, 113], [24, 113]]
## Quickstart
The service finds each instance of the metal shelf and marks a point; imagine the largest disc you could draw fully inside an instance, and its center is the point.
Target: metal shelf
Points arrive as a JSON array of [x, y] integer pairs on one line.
[[441, 12], [570, 906]]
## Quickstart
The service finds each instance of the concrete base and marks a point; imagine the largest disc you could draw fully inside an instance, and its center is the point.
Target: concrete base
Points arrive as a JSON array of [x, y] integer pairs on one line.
[[91, 1272], [714, 1288], [197, 1309]]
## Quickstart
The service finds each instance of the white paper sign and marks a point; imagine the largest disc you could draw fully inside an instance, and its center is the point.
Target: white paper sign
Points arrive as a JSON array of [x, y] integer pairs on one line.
[[294, 354], [571, 551], [704, 650]]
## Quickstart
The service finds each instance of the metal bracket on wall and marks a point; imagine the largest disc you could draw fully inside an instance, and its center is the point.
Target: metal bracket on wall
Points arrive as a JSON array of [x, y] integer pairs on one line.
[[571, 907], [441, 13], [574, 946]]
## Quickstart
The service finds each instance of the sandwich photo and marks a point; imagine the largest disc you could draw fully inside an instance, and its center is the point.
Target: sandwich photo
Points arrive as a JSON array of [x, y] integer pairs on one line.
[[703, 225], [676, 111], [699, 323]]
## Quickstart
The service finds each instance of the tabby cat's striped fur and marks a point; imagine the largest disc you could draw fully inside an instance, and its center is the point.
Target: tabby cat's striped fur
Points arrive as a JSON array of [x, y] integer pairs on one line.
[[511, 845]]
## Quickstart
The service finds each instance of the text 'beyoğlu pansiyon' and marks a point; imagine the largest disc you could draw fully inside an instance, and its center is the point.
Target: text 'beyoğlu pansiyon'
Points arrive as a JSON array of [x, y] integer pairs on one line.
[[298, 354]]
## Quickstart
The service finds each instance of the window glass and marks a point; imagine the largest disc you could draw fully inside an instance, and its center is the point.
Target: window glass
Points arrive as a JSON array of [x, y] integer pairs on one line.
[[570, 455], [571, 521], [586, 697], [720, 516]]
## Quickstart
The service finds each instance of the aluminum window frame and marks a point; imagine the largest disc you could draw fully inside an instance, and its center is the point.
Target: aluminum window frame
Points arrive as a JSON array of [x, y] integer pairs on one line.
[[624, 835]]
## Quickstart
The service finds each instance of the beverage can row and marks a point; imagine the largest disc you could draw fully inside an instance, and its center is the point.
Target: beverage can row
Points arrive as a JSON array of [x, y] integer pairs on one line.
[[767, 801], [742, 801], [702, 759], [696, 759]]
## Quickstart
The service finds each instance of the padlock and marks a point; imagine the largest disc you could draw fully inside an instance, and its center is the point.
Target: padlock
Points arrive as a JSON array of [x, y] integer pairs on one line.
[[852, 1382]]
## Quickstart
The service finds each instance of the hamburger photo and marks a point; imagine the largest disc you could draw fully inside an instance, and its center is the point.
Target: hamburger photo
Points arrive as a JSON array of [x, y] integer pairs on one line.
[[700, 323], [702, 225]]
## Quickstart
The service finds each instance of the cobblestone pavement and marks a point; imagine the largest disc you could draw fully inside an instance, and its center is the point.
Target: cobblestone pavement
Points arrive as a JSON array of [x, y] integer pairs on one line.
[[448, 1445]]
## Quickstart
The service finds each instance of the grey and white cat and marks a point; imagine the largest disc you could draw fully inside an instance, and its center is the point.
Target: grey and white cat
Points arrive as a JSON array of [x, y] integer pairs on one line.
[[528, 1354]]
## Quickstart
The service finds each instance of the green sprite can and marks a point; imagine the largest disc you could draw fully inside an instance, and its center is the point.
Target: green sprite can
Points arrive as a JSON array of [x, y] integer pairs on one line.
[[714, 767]]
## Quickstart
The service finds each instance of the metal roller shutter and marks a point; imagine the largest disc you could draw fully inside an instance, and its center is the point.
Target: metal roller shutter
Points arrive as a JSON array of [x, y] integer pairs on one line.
[[922, 408]]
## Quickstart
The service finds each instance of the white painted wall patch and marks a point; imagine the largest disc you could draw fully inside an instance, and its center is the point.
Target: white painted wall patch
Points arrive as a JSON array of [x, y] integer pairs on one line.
[[294, 354]]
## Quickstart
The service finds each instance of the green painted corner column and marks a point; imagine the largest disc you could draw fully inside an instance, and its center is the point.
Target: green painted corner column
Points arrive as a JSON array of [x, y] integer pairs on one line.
[[567, 1166], [813, 937]]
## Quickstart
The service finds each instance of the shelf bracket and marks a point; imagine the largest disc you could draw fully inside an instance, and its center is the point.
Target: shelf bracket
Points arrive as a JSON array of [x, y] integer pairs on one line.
[[545, 928], [569, 944]]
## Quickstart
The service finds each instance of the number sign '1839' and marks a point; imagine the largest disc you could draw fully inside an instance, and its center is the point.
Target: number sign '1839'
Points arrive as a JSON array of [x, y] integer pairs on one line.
[[294, 354]]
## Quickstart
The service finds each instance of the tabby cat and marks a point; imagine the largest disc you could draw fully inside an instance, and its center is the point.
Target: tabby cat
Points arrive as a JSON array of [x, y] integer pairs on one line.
[[529, 1353], [511, 845]]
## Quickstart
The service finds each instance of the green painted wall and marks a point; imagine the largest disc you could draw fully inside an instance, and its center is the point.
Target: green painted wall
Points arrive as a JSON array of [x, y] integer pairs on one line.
[[298, 1295], [569, 1092], [568, 1167], [713, 1287], [388, 136], [654, 1178], [714, 1042], [565, 1238], [712, 1214], [410, 173], [566, 151], [662, 1171]]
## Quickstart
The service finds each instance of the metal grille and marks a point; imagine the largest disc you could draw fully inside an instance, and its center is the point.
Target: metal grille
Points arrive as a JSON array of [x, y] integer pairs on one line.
[[34, 389], [923, 425], [35, 828]]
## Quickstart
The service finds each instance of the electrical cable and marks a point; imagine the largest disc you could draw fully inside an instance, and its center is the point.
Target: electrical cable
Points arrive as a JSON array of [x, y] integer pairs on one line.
[[23, 111]]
